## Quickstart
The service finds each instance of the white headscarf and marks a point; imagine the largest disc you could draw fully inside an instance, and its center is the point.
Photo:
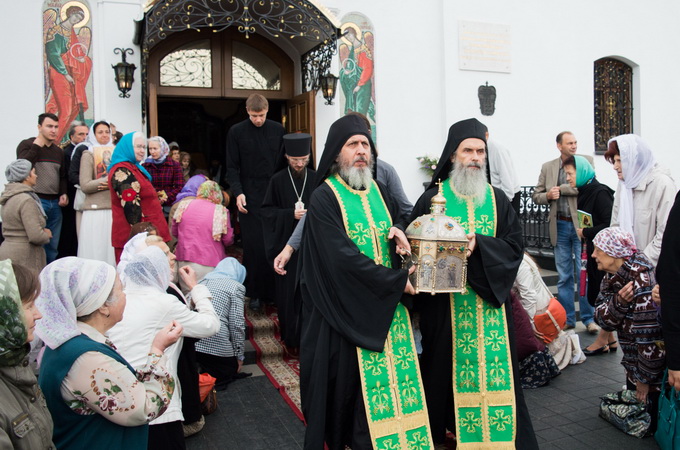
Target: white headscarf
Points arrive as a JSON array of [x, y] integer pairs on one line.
[[70, 288], [637, 161], [148, 269], [135, 245], [91, 142]]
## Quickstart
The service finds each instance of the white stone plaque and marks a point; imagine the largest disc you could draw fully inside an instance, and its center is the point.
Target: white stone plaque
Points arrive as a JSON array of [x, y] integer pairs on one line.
[[484, 47]]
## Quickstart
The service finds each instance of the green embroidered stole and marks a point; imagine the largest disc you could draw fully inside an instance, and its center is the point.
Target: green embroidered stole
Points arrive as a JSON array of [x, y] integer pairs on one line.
[[390, 381], [483, 387]]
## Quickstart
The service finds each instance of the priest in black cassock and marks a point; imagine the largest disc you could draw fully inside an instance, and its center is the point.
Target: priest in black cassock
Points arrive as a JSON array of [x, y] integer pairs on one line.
[[351, 308], [472, 386], [253, 156], [284, 205]]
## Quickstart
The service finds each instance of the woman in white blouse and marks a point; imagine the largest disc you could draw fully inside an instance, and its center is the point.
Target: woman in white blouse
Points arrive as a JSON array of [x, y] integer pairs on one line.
[[97, 400], [147, 277]]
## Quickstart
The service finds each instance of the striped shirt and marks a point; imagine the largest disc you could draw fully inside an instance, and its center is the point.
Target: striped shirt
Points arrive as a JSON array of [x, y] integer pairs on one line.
[[228, 303]]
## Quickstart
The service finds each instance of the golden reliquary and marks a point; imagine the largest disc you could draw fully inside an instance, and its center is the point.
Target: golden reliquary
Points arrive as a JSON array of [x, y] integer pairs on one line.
[[438, 250]]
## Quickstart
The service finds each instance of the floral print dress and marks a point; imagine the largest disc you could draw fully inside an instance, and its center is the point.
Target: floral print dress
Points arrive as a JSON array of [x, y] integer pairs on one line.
[[97, 384]]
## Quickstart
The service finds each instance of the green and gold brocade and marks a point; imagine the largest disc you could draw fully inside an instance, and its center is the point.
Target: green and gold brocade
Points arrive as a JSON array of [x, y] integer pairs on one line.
[[483, 384], [391, 384]]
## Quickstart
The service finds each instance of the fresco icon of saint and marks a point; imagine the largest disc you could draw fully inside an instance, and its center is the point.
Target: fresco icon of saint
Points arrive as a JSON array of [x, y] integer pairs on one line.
[[67, 39]]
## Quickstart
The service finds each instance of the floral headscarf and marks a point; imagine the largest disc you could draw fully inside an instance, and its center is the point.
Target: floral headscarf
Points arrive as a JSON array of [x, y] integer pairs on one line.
[[13, 332], [584, 170], [212, 192], [637, 161], [228, 268], [165, 149], [148, 270], [191, 187], [615, 242], [125, 152], [71, 288]]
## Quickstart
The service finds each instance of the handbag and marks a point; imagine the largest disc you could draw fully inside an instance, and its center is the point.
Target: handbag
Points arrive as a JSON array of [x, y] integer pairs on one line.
[[668, 430], [79, 200], [207, 393], [550, 323], [623, 410]]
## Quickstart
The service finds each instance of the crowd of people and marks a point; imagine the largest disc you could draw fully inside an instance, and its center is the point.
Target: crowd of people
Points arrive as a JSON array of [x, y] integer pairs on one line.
[[117, 281]]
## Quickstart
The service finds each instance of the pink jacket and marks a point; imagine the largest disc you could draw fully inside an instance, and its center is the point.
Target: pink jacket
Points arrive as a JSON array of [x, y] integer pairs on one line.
[[194, 235]]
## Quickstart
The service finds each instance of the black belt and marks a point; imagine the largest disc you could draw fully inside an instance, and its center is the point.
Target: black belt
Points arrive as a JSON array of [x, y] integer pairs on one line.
[[566, 219]]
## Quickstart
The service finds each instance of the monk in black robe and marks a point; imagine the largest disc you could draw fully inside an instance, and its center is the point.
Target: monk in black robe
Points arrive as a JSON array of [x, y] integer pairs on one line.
[[285, 203], [492, 267], [253, 156], [348, 301]]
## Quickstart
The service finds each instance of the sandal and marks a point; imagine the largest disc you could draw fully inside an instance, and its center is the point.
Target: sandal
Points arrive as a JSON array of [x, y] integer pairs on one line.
[[612, 349]]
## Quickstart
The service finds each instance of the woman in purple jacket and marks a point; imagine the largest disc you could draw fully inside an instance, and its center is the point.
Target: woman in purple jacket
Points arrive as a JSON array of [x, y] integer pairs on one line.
[[203, 230]]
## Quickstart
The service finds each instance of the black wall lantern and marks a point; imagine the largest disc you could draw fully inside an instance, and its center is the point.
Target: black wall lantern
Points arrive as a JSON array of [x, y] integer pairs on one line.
[[328, 84], [487, 99], [124, 72]]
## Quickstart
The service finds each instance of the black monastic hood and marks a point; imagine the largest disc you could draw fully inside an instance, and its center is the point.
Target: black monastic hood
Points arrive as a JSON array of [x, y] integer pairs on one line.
[[459, 131], [341, 130]]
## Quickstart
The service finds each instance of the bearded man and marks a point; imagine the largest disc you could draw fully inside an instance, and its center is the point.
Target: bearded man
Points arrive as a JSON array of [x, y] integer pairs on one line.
[[359, 376], [470, 370], [284, 204]]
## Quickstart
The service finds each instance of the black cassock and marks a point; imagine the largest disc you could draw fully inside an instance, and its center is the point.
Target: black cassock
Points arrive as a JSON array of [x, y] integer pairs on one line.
[[492, 269], [347, 301], [278, 214], [253, 155]]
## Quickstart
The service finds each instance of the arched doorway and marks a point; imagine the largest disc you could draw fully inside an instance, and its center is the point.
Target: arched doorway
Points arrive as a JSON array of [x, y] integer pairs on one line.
[[201, 59], [199, 84]]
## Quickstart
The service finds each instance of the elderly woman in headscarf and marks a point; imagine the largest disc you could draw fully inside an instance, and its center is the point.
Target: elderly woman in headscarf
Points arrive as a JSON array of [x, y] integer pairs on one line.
[[147, 277], [596, 199], [222, 355], [203, 230], [23, 218], [24, 422], [97, 399], [133, 197], [95, 226], [188, 191], [166, 174], [635, 317]]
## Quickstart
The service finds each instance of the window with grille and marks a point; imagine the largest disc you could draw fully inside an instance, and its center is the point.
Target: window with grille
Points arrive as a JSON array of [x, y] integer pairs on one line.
[[613, 101]]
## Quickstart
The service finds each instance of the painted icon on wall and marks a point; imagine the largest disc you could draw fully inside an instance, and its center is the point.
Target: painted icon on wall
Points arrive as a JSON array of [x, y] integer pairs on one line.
[[356, 74], [67, 39]]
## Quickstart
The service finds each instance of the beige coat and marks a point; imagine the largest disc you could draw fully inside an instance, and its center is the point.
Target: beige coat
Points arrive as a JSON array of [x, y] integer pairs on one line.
[[546, 181], [25, 420], [94, 198], [22, 227]]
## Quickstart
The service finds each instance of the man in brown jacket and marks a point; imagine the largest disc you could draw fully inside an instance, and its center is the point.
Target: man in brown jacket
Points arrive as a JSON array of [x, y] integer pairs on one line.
[[552, 189]]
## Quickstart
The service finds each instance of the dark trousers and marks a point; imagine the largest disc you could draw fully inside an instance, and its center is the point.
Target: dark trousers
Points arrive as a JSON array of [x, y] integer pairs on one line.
[[223, 368], [166, 436]]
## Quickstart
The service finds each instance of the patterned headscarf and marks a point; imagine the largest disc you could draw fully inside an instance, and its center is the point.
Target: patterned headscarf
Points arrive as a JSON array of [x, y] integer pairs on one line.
[[13, 332], [228, 268], [191, 187], [615, 242], [165, 149], [211, 191], [135, 245], [584, 171], [71, 288], [148, 270], [637, 161], [125, 152]]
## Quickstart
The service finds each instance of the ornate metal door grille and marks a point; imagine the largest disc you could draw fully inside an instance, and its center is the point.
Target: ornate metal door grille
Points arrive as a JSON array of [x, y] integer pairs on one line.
[[613, 101]]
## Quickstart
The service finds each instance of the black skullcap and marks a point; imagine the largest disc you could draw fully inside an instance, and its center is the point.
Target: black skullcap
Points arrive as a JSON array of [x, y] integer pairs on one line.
[[459, 131], [341, 130], [297, 144]]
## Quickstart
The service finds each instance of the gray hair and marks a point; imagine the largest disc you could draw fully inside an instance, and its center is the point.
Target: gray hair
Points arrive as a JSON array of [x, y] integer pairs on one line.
[[74, 125]]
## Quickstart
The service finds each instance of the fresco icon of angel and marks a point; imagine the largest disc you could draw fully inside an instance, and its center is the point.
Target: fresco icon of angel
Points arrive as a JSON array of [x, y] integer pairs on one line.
[[67, 39], [357, 50]]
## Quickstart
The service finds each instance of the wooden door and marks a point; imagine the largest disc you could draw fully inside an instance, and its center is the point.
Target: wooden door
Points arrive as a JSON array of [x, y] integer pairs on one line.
[[300, 117], [153, 110]]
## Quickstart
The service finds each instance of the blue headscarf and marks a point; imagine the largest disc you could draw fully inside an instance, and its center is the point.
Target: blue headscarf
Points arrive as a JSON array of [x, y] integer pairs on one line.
[[228, 268], [125, 152], [584, 171], [191, 187]]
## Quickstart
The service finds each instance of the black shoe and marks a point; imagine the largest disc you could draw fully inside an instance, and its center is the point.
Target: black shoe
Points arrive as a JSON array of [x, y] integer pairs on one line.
[[255, 304], [597, 351]]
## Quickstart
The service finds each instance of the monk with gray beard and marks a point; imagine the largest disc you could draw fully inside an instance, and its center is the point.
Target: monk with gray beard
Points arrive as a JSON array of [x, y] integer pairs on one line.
[[472, 387]]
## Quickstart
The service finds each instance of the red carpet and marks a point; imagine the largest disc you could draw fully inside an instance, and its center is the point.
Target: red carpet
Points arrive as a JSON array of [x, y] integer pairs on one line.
[[282, 369]]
